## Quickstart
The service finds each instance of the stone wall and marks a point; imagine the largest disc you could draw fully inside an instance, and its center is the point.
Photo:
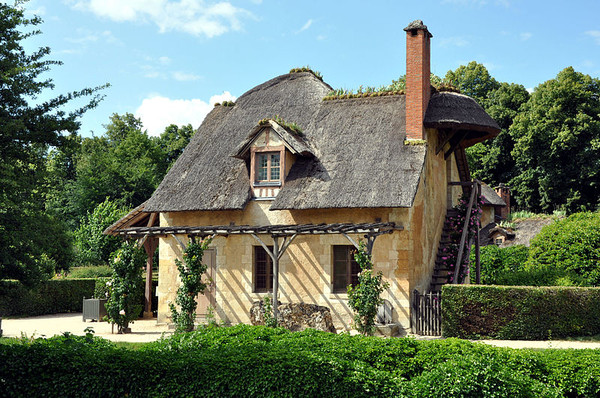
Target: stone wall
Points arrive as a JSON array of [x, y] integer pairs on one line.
[[296, 316], [305, 268]]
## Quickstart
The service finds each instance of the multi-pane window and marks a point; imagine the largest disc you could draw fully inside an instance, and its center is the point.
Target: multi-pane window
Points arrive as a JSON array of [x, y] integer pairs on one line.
[[345, 268], [263, 270], [268, 167]]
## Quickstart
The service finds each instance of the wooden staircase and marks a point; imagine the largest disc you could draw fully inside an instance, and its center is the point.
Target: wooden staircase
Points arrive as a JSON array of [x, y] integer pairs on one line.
[[440, 274]]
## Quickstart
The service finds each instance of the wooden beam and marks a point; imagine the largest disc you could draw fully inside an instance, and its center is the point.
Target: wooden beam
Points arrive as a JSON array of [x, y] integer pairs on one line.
[[275, 277], [449, 133], [453, 145], [150, 246], [152, 219]]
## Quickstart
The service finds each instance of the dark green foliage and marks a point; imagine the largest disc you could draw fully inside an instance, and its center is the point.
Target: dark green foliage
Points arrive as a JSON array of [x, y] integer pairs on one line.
[[569, 246], [191, 270], [95, 271], [174, 140], [365, 297], [527, 313], [256, 361], [49, 297], [124, 165], [504, 266], [123, 305], [32, 242], [92, 247], [557, 145]]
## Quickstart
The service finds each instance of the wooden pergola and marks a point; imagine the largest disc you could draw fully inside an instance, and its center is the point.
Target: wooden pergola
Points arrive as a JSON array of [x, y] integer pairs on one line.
[[281, 235]]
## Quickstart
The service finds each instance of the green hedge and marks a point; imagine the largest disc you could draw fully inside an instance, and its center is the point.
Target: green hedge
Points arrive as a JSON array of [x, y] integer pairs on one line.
[[49, 297], [260, 362], [511, 312]]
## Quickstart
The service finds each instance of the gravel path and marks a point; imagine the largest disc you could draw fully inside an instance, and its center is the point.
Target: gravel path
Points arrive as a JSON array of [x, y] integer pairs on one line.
[[145, 330]]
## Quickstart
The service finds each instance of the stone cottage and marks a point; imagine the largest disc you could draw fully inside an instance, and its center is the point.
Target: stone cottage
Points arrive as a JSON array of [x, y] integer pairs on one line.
[[288, 180]]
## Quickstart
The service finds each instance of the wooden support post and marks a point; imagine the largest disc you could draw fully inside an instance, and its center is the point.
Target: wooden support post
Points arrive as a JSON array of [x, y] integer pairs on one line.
[[477, 250], [275, 276], [150, 246]]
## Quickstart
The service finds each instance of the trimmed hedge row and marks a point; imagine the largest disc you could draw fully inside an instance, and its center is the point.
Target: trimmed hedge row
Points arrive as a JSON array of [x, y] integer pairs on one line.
[[260, 362], [50, 297], [520, 313]]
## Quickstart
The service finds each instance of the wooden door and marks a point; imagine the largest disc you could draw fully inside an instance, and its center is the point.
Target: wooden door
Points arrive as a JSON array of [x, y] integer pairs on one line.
[[208, 298]]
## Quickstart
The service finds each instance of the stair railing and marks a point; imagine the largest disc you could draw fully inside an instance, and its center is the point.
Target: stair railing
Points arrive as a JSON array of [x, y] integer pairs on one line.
[[463, 239]]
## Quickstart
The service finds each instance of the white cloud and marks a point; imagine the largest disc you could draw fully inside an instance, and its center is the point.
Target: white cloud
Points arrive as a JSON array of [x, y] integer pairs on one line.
[[195, 17], [595, 34], [84, 36], [454, 41], [164, 60], [185, 77], [305, 26], [157, 112], [525, 36]]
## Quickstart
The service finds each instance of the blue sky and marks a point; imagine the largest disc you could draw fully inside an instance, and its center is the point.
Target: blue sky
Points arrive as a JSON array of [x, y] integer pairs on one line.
[[168, 61]]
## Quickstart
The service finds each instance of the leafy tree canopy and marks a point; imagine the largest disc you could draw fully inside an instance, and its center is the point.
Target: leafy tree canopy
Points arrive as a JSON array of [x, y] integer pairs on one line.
[[28, 127], [557, 145]]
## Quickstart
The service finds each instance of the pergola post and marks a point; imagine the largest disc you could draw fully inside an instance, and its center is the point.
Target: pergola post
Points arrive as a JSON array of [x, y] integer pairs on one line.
[[275, 276], [150, 246]]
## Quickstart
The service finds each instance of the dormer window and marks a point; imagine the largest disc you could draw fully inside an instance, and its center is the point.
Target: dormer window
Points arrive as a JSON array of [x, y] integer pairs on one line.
[[268, 167], [269, 151]]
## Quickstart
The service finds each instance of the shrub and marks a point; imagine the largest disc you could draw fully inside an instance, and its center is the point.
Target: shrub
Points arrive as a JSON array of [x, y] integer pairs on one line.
[[498, 264], [530, 313], [50, 297], [570, 246], [94, 271], [256, 361]]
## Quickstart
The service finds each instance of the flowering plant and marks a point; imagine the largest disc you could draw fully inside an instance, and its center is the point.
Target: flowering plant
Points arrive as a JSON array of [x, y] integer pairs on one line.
[[456, 225]]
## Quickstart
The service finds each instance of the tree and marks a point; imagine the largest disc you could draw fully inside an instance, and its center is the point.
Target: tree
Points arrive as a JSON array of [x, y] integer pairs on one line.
[[27, 129], [491, 161], [557, 145], [92, 247], [124, 165], [174, 140], [473, 80]]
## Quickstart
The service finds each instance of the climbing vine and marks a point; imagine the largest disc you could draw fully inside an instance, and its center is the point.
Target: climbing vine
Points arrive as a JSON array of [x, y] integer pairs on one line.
[[123, 305], [365, 297], [190, 270]]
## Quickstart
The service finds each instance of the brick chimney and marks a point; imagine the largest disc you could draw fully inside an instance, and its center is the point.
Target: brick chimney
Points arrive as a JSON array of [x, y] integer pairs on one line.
[[418, 84], [504, 192]]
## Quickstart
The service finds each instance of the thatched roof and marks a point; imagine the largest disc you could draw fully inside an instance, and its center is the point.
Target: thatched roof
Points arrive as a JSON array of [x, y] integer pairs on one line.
[[490, 197], [293, 141], [351, 153], [137, 217], [455, 111]]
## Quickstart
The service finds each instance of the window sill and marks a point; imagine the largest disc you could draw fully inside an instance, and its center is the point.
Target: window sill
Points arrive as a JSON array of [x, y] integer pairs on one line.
[[338, 296], [267, 184]]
